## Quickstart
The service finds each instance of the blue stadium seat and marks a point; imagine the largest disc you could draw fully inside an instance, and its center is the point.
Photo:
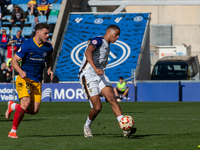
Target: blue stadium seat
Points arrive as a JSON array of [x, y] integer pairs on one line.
[[26, 31], [42, 19], [29, 19], [14, 31], [52, 19], [6, 17], [24, 7], [7, 30], [17, 2], [55, 6]]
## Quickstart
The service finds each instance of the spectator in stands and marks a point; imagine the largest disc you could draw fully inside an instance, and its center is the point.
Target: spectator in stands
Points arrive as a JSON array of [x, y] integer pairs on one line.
[[4, 74], [43, 5], [121, 89], [18, 40], [32, 6], [33, 26], [3, 45], [18, 15]]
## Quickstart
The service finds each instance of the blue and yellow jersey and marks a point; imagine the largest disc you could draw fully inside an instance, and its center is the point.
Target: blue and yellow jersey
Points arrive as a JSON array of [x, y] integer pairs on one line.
[[34, 58], [19, 40]]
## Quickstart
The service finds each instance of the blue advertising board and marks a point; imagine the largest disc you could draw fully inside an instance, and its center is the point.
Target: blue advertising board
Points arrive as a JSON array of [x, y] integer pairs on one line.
[[157, 92], [124, 52], [6, 92], [190, 92], [71, 92]]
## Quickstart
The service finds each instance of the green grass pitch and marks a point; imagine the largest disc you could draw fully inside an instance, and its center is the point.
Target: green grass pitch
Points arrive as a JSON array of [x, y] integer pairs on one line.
[[59, 126]]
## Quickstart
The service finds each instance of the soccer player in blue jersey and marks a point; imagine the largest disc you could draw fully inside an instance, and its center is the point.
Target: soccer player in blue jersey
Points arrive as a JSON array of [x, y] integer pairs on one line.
[[34, 52], [18, 39]]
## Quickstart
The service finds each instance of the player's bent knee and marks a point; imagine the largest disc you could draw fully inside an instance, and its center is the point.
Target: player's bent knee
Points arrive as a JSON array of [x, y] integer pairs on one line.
[[97, 109], [25, 102]]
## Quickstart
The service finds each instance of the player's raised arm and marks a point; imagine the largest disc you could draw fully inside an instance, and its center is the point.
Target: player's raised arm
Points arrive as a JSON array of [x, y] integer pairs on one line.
[[88, 55], [15, 65]]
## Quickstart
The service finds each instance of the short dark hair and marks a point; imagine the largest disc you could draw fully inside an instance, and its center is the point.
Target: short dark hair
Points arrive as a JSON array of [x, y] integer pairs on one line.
[[113, 27], [19, 31], [41, 26], [89, 39], [121, 78]]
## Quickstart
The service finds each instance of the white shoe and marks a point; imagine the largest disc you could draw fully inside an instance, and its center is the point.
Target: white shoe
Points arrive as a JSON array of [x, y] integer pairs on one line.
[[87, 132], [128, 133]]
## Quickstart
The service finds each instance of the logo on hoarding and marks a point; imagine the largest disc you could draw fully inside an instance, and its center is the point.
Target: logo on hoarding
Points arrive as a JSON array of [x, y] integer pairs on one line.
[[138, 18], [98, 21], [47, 93], [117, 60], [6, 94], [117, 20], [78, 20]]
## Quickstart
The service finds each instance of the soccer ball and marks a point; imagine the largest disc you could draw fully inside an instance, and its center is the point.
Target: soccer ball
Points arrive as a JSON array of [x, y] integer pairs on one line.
[[126, 123]]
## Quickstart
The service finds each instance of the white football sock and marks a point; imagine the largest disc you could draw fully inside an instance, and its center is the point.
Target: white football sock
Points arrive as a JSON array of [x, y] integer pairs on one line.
[[120, 117], [88, 122], [13, 106], [12, 130]]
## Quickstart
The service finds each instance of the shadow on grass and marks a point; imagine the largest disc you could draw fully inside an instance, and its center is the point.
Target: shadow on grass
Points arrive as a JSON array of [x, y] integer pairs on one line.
[[81, 135], [148, 135], [106, 135], [10, 120], [133, 112]]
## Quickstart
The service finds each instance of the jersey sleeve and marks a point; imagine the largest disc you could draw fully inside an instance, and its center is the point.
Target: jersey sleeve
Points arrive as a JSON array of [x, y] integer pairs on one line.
[[96, 42], [23, 50]]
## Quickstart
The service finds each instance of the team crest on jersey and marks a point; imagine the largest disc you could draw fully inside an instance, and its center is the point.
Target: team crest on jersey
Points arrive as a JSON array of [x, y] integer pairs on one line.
[[44, 54], [94, 42], [19, 50], [31, 53], [90, 90]]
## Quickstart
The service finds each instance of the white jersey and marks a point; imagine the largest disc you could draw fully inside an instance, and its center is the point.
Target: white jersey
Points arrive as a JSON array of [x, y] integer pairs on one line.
[[100, 56]]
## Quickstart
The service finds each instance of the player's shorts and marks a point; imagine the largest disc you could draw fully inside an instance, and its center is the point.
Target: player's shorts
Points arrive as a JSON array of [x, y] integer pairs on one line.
[[92, 86], [28, 88]]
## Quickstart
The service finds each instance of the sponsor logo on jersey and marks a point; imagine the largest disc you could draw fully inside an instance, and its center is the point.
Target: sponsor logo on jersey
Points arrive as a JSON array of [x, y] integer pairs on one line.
[[37, 59], [138, 18], [98, 21], [123, 51]]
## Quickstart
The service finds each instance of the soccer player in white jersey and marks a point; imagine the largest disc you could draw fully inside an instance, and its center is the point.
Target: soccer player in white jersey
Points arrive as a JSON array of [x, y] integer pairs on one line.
[[94, 81]]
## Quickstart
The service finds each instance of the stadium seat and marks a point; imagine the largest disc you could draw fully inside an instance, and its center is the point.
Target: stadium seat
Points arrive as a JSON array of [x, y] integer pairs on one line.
[[14, 31], [24, 7], [55, 6], [52, 19], [7, 30], [26, 31], [42, 19], [6, 18], [29, 19]]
